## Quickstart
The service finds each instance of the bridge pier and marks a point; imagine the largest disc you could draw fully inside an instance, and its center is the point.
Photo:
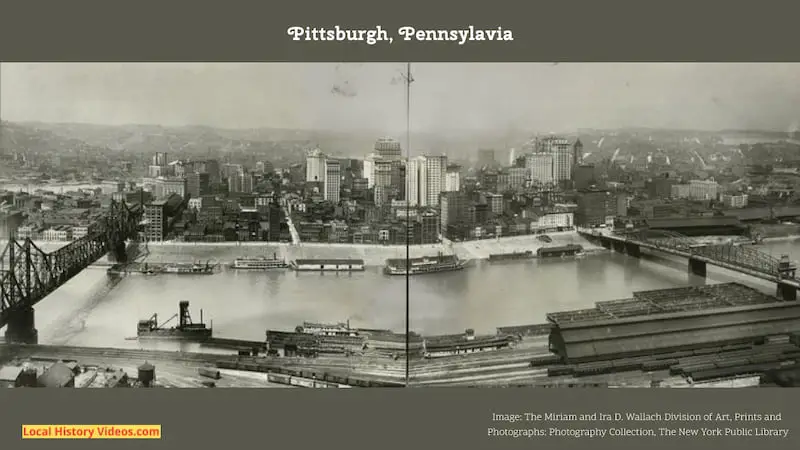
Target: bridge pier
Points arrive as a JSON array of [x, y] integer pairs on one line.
[[633, 250], [619, 246], [118, 253], [606, 243], [697, 267], [786, 292], [21, 327]]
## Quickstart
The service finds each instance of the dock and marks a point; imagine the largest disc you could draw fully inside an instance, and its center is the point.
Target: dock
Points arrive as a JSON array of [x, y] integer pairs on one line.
[[236, 344]]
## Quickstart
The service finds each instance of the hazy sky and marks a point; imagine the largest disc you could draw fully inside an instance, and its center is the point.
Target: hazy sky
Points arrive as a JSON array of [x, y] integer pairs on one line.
[[537, 97]]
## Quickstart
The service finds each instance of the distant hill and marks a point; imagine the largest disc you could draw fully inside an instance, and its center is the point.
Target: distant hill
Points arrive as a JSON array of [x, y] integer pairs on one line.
[[287, 144]]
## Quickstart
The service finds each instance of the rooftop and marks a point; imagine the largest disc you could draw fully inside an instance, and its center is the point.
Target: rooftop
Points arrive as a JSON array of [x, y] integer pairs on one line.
[[686, 222], [659, 301], [665, 332]]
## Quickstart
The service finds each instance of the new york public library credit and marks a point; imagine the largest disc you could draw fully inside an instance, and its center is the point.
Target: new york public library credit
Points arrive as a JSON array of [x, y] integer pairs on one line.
[[709, 425]]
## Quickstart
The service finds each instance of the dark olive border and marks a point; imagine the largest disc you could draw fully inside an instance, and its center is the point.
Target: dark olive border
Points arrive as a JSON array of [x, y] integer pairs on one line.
[[565, 30], [255, 30]]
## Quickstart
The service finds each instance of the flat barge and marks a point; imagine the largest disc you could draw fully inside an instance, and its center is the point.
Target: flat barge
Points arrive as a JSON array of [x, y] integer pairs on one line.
[[189, 269], [186, 330], [135, 269], [560, 251], [335, 329], [424, 265], [328, 265], [515, 256], [460, 344], [259, 263]]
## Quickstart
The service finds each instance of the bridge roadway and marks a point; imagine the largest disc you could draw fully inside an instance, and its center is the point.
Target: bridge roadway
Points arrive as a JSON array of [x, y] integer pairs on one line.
[[739, 259]]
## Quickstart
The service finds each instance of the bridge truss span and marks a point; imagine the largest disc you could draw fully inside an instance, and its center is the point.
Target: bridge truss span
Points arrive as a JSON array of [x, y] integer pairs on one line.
[[28, 274], [728, 254]]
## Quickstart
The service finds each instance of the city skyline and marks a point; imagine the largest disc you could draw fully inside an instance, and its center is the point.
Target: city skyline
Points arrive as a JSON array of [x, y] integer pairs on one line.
[[539, 97]]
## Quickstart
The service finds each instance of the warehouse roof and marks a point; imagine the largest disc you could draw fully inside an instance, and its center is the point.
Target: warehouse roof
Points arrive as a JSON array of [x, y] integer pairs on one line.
[[612, 338], [10, 373], [763, 212], [57, 375], [687, 222]]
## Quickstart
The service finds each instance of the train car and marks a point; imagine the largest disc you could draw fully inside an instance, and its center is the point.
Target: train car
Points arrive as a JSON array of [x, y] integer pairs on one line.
[[556, 371], [278, 378], [301, 382]]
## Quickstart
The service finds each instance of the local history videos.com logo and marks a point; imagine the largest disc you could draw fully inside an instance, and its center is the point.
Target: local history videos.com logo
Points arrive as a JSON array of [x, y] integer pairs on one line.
[[91, 432]]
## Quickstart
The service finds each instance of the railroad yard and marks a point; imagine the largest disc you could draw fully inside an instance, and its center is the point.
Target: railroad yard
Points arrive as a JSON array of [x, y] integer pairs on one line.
[[712, 336]]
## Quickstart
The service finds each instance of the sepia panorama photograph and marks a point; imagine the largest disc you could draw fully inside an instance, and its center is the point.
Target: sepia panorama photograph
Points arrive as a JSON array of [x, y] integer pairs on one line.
[[392, 225]]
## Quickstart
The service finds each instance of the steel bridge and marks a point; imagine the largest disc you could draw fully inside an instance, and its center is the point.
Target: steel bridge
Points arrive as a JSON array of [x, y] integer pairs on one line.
[[28, 274], [738, 258]]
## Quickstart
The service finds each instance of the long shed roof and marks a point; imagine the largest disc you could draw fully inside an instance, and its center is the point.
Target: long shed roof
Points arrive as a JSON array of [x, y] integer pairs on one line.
[[662, 332]]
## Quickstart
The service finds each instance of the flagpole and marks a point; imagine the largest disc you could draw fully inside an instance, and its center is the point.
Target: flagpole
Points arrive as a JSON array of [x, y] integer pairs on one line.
[[408, 80]]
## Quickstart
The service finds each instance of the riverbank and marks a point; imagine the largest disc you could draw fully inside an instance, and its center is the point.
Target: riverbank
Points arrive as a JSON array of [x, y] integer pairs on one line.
[[776, 232], [483, 248], [373, 255]]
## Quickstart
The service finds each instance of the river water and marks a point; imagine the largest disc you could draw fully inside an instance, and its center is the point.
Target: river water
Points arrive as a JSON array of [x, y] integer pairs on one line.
[[94, 309]]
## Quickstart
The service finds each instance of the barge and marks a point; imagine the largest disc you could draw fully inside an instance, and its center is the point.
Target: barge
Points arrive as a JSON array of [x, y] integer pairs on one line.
[[335, 329], [328, 265], [460, 344], [560, 251], [135, 268], [424, 265], [515, 256], [189, 269], [259, 263], [186, 330]]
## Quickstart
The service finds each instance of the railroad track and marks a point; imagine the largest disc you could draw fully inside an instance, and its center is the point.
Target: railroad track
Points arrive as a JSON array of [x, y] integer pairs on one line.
[[489, 368]]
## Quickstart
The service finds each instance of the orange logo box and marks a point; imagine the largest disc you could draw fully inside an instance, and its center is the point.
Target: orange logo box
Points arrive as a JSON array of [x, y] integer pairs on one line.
[[91, 432]]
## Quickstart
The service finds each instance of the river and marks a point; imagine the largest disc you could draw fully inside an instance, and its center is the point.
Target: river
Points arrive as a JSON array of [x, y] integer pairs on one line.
[[93, 309]]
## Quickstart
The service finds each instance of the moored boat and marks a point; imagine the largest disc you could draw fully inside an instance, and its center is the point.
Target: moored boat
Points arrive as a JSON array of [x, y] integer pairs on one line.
[[186, 330], [515, 256], [189, 269], [564, 251], [259, 263], [424, 265]]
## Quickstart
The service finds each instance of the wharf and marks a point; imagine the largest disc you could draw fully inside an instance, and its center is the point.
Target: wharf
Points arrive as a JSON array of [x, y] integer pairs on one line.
[[236, 344]]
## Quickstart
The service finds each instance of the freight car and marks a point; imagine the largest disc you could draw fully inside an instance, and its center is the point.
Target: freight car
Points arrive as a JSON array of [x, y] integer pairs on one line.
[[543, 361]]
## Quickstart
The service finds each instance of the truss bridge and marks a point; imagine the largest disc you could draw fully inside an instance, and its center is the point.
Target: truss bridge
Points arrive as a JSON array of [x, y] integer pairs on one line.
[[28, 274], [738, 258]]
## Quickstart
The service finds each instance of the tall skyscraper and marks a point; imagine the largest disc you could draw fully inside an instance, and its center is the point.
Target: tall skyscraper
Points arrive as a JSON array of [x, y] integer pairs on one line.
[[431, 179], [383, 180], [315, 166], [562, 156], [231, 170], [388, 148], [453, 209], [248, 182], [452, 181], [160, 159], [369, 170], [234, 183], [333, 180], [541, 167], [577, 152], [193, 184], [412, 181]]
